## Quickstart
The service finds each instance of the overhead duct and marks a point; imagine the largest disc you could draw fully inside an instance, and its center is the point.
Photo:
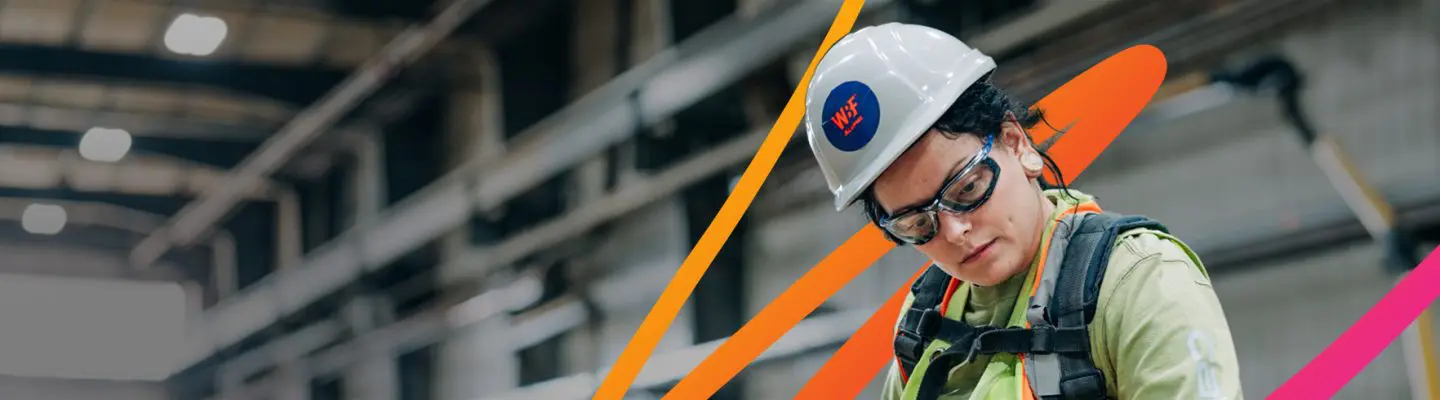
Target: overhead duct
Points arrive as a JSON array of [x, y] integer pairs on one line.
[[660, 87]]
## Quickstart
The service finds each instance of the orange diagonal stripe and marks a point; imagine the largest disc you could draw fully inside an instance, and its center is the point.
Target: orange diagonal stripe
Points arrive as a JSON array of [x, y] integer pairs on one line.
[[829, 276], [633, 358], [1109, 96]]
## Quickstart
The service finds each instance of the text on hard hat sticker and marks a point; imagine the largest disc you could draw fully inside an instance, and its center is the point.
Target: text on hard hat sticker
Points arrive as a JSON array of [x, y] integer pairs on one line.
[[852, 116], [847, 117]]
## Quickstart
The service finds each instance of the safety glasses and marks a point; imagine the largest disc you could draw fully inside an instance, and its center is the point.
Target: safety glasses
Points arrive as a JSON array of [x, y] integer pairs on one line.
[[965, 191]]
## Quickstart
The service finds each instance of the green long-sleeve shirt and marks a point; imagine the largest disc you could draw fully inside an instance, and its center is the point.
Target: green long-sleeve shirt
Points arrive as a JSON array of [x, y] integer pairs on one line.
[[1159, 331]]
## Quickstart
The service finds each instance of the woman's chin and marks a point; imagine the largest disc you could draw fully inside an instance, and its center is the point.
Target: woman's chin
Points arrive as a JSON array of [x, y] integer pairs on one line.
[[990, 279], [982, 275], [989, 274]]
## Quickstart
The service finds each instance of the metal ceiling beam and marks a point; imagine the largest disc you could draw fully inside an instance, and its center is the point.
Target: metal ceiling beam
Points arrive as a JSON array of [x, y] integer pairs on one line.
[[89, 213], [137, 123], [44, 167], [672, 80], [261, 32], [222, 154], [199, 216], [287, 84]]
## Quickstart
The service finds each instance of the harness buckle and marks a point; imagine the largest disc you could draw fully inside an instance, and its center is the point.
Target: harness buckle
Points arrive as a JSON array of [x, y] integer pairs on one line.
[[909, 346]]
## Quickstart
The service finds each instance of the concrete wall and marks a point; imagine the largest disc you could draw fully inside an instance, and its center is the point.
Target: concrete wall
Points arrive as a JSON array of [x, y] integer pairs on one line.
[[70, 326]]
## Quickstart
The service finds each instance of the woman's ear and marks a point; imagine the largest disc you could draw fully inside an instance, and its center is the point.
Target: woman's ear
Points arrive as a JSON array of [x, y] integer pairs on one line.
[[1018, 143], [1013, 136]]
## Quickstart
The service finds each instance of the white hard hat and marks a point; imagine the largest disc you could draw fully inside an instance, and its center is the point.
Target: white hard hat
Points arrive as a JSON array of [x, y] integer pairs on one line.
[[875, 92]]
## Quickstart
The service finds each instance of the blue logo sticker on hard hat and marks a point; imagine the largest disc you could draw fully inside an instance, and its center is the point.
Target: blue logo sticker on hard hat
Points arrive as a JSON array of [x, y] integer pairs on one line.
[[852, 114]]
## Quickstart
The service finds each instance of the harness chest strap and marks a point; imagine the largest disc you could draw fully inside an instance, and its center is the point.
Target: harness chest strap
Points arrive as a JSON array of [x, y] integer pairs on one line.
[[1055, 339]]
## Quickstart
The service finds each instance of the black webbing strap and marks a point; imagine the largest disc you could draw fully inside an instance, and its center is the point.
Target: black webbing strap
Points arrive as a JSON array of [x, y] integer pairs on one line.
[[939, 370], [921, 322], [1038, 340]]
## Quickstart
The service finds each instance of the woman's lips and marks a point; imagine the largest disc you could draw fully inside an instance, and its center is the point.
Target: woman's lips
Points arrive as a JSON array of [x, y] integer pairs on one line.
[[983, 251]]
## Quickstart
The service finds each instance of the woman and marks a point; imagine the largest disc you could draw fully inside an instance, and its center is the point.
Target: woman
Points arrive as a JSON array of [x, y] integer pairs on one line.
[[904, 121]]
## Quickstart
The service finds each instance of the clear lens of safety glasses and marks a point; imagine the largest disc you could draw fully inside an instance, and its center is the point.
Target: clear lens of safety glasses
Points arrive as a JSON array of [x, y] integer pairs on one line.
[[964, 192]]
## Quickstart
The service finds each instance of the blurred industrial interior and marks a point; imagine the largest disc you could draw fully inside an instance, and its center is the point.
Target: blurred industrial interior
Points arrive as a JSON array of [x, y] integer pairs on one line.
[[241, 199]]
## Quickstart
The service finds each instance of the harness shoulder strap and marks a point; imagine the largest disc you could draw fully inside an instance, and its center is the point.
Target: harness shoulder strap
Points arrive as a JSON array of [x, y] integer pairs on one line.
[[1077, 291], [921, 321]]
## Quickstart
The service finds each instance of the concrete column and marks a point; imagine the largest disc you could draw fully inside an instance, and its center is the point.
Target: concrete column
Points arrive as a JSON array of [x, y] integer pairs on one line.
[[369, 178], [597, 59], [594, 49], [651, 28], [475, 361], [287, 230], [474, 126], [377, 376], [223, 265]]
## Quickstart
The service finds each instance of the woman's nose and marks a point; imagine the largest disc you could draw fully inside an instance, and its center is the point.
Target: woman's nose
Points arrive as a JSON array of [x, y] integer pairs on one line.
[[954, 226]]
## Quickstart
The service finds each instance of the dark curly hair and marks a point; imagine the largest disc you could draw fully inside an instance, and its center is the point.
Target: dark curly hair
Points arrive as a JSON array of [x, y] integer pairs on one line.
[[979, 111]]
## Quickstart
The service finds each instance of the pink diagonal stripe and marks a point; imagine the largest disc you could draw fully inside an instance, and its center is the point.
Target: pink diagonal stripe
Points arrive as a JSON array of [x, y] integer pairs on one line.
[[1349, 354]]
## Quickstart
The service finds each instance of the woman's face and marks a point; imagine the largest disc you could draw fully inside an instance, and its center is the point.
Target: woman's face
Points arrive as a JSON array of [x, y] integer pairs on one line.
[[986, 245]]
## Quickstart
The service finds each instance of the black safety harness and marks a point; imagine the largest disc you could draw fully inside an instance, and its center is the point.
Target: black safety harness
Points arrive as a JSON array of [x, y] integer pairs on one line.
[[1060, 327]]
